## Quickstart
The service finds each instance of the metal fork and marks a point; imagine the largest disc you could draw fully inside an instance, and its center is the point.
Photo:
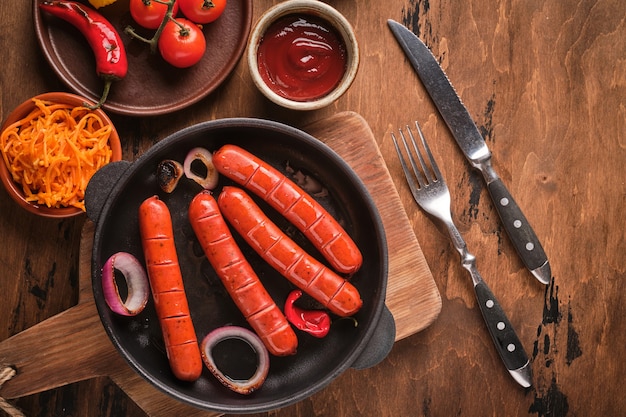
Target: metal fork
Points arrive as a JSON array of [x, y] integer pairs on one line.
[[432, 195]]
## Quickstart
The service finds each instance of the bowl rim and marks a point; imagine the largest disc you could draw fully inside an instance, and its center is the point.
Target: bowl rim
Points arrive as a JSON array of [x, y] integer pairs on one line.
[[314, 8], [19, 112]]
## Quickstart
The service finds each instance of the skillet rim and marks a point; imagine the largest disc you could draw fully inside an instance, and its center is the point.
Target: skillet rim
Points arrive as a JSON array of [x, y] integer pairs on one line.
[[373, 214]]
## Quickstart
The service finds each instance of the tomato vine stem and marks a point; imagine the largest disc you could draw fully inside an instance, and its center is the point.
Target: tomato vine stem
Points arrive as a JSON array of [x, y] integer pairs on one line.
[[154, 41]]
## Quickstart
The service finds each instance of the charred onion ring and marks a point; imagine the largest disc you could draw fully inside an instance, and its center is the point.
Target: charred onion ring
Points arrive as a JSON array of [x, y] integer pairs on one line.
[[169, 172], [235, 332], [136, 283], [207, 181]]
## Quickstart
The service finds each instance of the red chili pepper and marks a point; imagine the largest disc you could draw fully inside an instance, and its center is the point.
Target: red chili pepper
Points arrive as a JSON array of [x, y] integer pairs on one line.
[[111, 61], [315, 322]]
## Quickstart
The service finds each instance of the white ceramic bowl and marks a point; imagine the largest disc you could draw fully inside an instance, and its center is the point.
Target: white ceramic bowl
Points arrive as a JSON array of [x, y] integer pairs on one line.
[[316, 9]]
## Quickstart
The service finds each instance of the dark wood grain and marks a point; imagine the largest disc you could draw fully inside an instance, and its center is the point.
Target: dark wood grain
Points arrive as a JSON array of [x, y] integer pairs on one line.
[[546, 84]]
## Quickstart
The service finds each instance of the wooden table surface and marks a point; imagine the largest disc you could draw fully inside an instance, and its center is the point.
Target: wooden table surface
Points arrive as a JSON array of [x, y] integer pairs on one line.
[[545, 83]]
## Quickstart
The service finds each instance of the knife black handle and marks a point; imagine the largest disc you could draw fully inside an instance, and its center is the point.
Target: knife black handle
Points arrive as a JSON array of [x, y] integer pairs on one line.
[[502, 332], [517, 227]]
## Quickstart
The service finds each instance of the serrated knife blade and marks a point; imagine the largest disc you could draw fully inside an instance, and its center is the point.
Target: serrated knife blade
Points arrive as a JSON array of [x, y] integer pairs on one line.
[[475, 148]]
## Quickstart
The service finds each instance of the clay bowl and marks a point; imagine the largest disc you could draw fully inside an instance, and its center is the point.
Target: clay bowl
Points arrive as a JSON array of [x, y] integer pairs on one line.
[[14, 189], [331, 20]]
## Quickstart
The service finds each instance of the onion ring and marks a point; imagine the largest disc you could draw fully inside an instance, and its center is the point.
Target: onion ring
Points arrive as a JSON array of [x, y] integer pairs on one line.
[[136, 282], [208, 181], [169, 172], [235, 332]]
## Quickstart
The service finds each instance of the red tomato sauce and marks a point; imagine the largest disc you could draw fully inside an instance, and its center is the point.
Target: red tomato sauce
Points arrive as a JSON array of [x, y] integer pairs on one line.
[[301, 58]]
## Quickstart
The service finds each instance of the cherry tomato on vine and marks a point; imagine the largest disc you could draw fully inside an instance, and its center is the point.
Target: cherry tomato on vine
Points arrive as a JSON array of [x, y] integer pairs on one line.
[[149, 13], [202, 11], [182, 43]]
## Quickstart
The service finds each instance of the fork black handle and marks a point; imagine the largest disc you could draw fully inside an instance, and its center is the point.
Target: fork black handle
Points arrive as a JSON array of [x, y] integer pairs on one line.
[[502, 332]]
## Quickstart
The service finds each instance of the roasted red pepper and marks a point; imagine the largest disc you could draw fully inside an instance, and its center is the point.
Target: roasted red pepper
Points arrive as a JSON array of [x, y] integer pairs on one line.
[[315, 322], [109, 51]]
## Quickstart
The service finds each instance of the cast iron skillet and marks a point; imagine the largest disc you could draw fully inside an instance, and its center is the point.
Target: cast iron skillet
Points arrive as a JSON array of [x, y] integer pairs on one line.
[[113, 197]]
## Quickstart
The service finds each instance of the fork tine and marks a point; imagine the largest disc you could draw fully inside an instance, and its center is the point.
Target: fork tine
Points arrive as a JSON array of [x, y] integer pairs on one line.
[[412, 173], [417, 172], [417, 151], [431, 159], [410, 177], [421, 171]]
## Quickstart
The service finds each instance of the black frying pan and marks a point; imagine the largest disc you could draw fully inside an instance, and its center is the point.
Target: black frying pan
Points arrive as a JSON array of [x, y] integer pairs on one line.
[[113, 197]]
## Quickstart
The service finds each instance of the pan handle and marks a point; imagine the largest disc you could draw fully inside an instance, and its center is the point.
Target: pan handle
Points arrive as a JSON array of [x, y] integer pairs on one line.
[[380, 344], [100, 186]]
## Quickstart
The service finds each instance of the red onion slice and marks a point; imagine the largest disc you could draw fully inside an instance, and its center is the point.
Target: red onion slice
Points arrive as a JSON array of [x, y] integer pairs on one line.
[[242, 386], [136, 283], [207, 181]]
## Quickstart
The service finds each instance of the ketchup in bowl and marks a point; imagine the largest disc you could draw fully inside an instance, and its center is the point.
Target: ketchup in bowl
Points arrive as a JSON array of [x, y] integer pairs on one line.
[[301, 57]]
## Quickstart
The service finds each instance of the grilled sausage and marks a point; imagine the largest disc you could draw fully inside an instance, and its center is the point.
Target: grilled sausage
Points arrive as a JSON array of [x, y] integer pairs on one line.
[[292, 202], [284, 255], [166, 282], [239, 278]]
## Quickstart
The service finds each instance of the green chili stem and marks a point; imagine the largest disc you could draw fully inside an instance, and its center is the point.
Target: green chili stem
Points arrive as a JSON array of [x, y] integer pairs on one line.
[[105, 93]]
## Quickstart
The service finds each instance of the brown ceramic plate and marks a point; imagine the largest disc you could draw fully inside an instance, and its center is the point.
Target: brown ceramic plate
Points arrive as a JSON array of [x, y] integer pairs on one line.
[[152, 87]]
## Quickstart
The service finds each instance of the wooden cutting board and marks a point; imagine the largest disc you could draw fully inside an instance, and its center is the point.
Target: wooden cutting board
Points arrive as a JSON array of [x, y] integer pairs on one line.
[[73, 346]]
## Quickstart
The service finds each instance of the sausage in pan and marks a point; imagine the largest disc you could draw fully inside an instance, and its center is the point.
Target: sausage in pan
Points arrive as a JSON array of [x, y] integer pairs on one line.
[[157, 238], [239, 278], [282, 253], [292, 202]]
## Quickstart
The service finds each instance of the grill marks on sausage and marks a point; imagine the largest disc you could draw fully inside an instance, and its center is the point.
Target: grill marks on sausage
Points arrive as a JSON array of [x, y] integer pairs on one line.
[[291, 201], [238, 277], [284, 255], [168, 291]]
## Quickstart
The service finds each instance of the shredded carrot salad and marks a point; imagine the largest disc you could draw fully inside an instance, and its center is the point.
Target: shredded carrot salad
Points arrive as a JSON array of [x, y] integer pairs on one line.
[[53, 152]]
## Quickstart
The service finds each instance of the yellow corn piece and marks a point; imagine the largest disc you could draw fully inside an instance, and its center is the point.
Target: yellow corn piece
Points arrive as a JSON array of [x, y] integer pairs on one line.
[[101, 3]]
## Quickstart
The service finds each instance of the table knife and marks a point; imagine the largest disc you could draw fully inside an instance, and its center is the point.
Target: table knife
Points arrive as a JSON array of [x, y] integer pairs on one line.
[[475, 149]]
